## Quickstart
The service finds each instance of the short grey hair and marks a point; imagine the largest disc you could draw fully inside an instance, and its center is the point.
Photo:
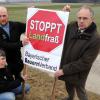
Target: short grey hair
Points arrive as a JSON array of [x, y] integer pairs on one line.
[[89, 8]]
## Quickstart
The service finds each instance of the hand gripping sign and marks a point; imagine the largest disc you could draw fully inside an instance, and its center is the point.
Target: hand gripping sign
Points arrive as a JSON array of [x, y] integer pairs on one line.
[[46, 31]]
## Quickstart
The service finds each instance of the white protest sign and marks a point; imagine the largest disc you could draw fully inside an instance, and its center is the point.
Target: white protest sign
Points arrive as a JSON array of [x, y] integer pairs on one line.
[[46, 32]]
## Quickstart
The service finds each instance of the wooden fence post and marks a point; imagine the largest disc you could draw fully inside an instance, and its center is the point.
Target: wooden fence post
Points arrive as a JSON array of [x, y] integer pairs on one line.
[[53, 90], [23, 83]]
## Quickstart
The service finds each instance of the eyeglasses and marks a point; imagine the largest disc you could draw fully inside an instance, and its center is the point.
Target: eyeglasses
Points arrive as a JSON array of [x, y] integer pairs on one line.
[[3, 16]]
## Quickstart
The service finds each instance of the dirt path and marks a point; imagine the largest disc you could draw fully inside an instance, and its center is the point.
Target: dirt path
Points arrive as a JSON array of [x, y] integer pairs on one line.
[[93, 82]]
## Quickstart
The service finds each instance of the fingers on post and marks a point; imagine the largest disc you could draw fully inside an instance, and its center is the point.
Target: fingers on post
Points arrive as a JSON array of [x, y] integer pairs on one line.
[[67, 8]]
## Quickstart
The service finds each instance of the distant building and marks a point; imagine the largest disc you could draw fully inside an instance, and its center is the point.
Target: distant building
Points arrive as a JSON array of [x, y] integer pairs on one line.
[[13, 1], [56, 1], [59, 1], [2, 0], [75, 1]]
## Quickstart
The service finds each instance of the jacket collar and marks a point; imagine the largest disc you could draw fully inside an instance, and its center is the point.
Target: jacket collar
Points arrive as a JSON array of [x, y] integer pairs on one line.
[[91, 28], [87, 33]]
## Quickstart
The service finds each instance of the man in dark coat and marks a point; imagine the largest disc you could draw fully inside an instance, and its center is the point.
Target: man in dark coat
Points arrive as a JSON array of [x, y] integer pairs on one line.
[[10, 33], [82, 44]]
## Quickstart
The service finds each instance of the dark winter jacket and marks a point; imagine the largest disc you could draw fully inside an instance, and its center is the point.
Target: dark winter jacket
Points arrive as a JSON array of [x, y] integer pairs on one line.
[[7, 82], [80, 51], [12, 45]]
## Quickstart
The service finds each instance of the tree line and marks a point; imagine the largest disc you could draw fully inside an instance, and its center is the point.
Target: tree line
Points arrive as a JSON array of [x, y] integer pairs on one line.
[[76, 1]]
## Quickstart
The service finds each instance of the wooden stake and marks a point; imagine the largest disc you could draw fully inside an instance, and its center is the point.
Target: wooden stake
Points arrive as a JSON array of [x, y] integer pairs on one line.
[[53, 90], [23, 90], [23, 83]]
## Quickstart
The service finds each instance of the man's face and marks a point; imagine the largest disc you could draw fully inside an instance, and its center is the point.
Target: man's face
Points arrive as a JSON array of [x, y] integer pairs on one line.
[[3, 16], [84, 18]]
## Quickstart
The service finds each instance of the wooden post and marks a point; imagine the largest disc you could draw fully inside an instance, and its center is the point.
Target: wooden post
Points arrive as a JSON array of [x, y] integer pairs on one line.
[[53, 90], [23, 90], [23, 83]]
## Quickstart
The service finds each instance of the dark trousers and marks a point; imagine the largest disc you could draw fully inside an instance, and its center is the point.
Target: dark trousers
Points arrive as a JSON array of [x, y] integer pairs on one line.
[[80, 90]]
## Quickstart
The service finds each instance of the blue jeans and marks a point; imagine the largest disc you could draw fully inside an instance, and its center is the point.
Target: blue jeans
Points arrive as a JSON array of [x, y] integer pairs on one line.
[[7, 96], [18, 90]]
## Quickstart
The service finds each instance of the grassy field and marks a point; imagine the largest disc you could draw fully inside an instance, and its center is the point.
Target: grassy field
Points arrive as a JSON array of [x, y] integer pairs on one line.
[[19, 12], [41, 83]]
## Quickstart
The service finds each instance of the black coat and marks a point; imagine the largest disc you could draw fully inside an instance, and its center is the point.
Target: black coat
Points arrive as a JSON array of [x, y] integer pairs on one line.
[[80, 51], [13, 45], [7, 82]]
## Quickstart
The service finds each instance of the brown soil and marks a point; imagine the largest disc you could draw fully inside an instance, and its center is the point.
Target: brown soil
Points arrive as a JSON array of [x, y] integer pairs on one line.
[[42, 85]]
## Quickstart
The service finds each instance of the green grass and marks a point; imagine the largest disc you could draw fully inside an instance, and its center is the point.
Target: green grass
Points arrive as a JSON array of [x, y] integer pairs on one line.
[[19, 12]]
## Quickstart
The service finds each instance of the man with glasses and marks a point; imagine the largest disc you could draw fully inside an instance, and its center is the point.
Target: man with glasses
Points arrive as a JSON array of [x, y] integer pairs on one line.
[[82, 44]]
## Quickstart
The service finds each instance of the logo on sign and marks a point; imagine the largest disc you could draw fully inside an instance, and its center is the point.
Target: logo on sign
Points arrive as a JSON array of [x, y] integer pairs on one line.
[[45, 30]]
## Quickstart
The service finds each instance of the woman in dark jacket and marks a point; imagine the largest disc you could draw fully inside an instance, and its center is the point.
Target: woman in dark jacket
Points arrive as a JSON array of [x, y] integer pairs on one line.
[[8, 83]]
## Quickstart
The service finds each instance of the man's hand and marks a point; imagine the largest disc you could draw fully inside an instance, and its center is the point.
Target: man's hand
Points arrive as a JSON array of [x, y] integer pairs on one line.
[[67, 8], [59, 73], [25, 77], [25, 41]]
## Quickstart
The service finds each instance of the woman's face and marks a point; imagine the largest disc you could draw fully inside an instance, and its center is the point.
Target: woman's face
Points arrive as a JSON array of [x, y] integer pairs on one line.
[[2, 62]]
